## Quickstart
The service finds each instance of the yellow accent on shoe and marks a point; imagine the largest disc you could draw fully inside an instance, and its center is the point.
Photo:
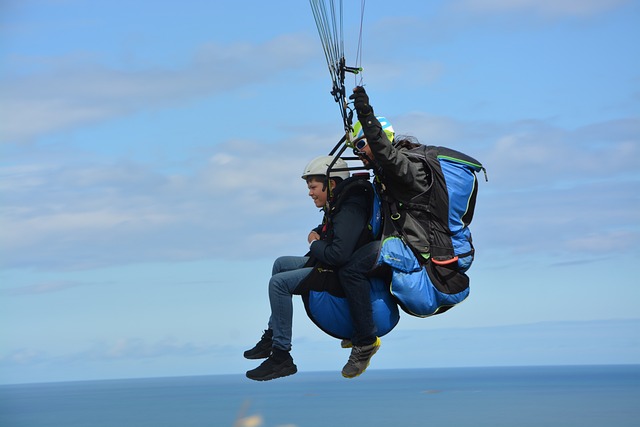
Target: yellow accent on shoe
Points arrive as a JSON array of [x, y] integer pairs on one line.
[[359, 359]]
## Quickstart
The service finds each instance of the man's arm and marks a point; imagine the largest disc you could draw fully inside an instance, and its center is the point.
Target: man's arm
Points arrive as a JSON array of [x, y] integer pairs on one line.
[[397, 165]]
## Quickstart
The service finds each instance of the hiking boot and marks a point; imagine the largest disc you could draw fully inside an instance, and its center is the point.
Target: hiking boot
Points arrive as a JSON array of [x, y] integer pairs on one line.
[[262, 350], [346, 344], [279, 364], [359, 359]]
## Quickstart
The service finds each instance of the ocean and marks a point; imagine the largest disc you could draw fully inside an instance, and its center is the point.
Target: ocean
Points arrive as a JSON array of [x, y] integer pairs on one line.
[[563, 396]]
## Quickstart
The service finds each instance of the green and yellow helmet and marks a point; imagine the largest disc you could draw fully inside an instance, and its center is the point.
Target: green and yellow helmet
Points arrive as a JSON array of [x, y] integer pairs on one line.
[[386, 127]]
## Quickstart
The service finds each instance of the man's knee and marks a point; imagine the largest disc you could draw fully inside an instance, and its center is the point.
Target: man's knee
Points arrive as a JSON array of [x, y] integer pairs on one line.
[[276, 284], [277, 266], [346, 271]]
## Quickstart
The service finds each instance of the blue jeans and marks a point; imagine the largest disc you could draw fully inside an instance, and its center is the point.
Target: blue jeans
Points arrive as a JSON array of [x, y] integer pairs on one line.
[[287, 273]]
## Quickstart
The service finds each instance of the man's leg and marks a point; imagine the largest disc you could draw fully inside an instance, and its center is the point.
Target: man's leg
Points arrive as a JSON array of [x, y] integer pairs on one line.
[[262, 349], [283, 264], [357, 289], [288, 263], [280, 363], [281, 288]]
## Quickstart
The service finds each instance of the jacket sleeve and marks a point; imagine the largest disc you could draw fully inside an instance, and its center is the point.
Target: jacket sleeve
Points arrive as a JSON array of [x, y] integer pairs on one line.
[[393, 161], [348, 224]]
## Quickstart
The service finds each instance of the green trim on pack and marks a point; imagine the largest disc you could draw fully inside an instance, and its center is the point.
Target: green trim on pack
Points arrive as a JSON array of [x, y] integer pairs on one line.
[[454, 159]]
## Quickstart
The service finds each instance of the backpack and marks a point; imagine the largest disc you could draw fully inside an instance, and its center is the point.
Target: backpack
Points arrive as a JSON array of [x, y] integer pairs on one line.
[[446, 209], [426, 240]]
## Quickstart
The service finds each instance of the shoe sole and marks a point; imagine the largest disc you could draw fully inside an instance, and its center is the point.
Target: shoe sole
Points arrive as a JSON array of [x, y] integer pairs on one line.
[[263, 355], [375, 350], [284, 373]]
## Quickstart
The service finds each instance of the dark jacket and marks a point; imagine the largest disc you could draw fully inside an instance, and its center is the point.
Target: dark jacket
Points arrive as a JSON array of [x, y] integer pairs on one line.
[[402, 177], [403, 182], [344, 228]]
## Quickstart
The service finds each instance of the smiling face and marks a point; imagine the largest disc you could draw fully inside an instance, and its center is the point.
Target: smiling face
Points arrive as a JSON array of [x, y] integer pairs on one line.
[[318, 191]]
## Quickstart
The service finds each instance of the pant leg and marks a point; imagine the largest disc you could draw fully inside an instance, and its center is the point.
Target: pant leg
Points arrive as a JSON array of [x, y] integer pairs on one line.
[[286, 263], [281, 287], [357, 289]]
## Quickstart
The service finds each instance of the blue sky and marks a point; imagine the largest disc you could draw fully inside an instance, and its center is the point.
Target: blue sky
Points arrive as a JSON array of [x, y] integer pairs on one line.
[[150, 164]]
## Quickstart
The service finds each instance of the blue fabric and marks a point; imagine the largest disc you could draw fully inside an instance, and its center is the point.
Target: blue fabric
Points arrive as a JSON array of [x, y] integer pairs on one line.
[[332, 313], [410, 282], [460, 180], [464, 263], [398, 256], [375, 222], [417, 294]]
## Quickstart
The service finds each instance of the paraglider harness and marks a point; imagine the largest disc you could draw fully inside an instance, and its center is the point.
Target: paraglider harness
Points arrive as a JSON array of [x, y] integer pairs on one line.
[[426, 240], [434, 224]]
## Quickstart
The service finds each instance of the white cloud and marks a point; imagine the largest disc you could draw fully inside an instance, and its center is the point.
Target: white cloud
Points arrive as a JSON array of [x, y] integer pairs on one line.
[[23, 356], [137, 348], [551, 190], [95, 213], [242, 198], [74, 92]]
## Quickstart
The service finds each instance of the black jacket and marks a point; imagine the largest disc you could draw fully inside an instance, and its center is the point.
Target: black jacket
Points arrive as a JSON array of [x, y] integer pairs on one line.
[[402, 177], [345, 225], [404, 182]]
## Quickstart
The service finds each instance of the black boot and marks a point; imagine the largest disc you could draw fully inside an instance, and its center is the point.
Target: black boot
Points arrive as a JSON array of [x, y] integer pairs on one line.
[[262, 350], [279, 364]]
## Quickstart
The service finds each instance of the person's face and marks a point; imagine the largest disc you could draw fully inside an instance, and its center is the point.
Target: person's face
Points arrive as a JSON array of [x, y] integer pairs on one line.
[[366, 150], [317, 193]]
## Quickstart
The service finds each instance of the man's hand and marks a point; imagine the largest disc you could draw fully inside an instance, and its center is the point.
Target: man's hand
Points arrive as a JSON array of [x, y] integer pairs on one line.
[[361, 101], [313, 236]]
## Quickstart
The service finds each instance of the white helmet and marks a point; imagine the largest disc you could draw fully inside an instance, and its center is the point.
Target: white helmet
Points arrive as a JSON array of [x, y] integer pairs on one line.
[[319, 166]]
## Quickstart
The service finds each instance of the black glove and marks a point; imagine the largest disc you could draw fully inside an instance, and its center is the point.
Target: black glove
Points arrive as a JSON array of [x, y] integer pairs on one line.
[[361, 101]]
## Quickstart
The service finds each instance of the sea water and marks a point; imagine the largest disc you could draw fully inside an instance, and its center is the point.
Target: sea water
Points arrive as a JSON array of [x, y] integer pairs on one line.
[[564, 396]]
